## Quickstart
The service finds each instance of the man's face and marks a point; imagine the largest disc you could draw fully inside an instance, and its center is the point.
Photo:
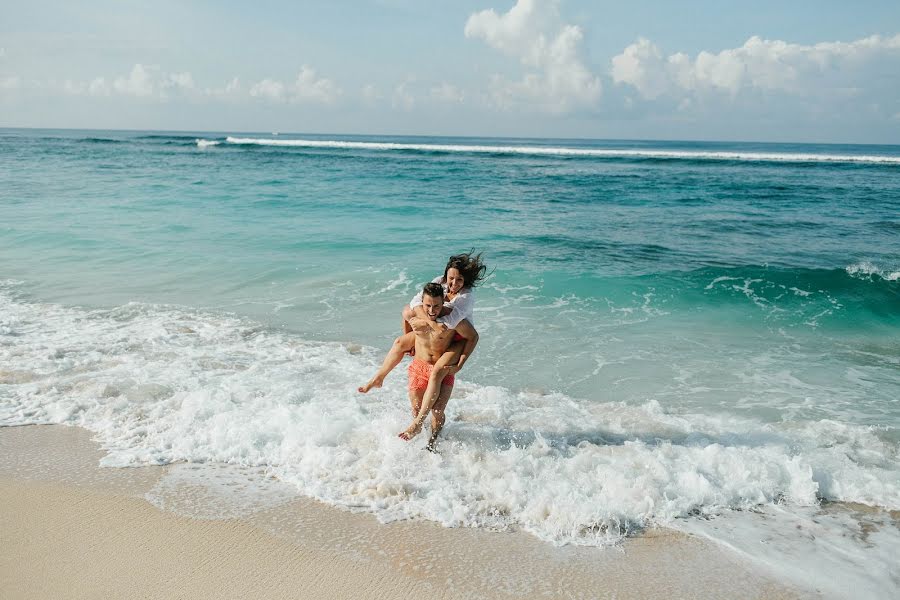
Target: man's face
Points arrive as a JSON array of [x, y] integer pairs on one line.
[[432, 306]]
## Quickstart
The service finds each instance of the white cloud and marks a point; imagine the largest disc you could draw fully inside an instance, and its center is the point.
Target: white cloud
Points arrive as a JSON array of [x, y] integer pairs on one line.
[[447, 93], [520, 32], [96, 87], [138, 83], [767, 65], [268, 89], [402, 98], [151, 82], [183, 81], [557, 78], [308, 87], [410, 94], [371, 94], [74, 88], [10, 83], [642, 65], [232, 89], [315, 89], [142, 82], [99, 87]]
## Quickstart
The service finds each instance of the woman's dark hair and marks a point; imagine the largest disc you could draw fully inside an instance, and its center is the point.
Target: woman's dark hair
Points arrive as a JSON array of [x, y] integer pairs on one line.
[[434, 290], [469, 265]]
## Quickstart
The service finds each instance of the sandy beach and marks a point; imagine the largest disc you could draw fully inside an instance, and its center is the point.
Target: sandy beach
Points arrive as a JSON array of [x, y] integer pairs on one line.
[[656, 245], [71, 529]]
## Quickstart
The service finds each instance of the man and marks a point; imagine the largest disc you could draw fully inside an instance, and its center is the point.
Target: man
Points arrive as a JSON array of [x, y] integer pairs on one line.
[[429, 390]]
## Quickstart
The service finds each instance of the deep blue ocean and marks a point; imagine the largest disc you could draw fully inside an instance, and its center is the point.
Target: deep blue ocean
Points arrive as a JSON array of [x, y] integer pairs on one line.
[[670, 329]]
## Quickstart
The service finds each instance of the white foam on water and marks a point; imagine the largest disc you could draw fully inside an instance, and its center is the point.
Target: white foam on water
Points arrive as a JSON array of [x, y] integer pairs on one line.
[[766, 295], [215, 491], [207, 143], [842, 551], [162, 384], [866, 269], [564, 151], [402, 281]]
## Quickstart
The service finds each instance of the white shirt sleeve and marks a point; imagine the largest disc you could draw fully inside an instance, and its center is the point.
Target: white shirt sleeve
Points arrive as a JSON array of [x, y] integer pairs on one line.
[[417, 299], [463, 307]]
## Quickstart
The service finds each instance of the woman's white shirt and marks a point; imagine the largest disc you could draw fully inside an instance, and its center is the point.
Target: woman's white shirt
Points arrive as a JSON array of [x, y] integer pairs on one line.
[[463, 305]]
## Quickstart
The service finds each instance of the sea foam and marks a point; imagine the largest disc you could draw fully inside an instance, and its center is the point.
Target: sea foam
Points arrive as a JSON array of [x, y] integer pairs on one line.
[[865, 270], [162, 384], [570, 151]]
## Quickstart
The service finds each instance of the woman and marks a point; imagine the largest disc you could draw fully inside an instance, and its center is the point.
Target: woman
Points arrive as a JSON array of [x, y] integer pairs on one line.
[[462, 273]]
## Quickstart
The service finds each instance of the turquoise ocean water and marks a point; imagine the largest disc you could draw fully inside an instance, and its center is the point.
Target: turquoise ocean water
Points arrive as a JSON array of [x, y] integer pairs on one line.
[[672, 331]]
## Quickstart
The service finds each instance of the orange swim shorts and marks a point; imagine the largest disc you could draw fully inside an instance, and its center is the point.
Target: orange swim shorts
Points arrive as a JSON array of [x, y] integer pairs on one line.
[[420, 372]]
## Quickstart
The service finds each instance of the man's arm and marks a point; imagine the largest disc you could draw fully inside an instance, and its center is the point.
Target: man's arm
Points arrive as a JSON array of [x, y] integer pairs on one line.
[[420, 325], [419, 311]]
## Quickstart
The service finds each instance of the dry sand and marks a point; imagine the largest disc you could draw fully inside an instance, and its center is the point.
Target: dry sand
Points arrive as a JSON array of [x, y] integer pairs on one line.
[[70, 529]]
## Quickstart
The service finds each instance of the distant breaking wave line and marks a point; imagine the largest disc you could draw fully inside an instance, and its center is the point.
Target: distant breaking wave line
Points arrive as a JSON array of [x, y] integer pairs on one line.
[[563, 151]]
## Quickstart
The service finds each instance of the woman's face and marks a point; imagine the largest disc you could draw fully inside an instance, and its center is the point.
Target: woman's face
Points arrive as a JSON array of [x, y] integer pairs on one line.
[[455, 281]]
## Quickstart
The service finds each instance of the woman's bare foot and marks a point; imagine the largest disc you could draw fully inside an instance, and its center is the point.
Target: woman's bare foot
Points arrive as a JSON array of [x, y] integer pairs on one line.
[[375, 382], [411, 431]]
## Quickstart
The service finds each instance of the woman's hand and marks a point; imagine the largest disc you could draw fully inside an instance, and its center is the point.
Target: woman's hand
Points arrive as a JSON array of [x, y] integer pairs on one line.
[[451, 370]]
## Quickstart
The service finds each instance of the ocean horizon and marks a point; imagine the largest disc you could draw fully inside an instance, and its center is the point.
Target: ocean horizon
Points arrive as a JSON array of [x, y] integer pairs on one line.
[[702, 336]]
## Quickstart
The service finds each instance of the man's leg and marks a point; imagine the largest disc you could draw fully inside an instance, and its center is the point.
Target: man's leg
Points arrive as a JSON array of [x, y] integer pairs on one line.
[[437, 415], [415, 401], [426, 404], [449, 358], [401, 346]]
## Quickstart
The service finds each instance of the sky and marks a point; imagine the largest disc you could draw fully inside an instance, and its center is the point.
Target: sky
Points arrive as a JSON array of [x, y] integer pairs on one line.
[[803, 71]]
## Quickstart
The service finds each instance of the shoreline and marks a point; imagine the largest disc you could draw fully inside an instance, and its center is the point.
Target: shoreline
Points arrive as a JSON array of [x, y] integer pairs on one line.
[[74, 529]]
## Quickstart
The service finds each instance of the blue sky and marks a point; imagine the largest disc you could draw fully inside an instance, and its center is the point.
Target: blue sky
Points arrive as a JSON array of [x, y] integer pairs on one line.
[[771, 71]]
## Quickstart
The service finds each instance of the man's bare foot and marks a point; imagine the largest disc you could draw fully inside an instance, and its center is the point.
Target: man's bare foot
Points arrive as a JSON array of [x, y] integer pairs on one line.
[[411, 431], [375, 382], [431, 446]]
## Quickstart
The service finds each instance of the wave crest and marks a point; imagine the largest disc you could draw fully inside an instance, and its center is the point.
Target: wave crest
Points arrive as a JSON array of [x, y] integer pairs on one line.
[[571, 152], [867, 270]]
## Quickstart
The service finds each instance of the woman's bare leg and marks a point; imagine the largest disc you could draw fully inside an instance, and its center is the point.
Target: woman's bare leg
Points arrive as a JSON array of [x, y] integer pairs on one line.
[[437, 415], [441, 369], [401, 346], [415, 401], [449, 358]]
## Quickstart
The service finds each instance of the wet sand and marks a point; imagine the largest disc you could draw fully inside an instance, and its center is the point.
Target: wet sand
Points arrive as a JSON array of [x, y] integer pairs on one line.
[[72, 529]]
